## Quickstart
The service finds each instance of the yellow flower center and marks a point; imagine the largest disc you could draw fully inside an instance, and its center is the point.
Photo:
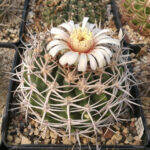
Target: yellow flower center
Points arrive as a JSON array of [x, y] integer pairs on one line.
[[81, 40]]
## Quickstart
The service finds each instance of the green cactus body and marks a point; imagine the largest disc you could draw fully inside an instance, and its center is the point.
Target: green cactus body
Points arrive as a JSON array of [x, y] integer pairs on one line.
[[137, 14], [58, 11], [62, 98]]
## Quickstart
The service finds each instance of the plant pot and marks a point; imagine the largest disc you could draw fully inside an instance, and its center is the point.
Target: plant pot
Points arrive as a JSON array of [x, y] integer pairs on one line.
[[137, 113], [21, 24]]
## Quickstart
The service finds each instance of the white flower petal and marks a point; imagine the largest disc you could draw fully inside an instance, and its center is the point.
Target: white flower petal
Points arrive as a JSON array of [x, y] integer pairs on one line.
[[56, 49], [110, 41], [82, 62], [71, 23], [102, 32], [90, 26], [61, 37], [59, 32], [93, 63], [68, 58], [96, 30], [99, 57], [77, 26], [100, 37], [84, 22], [107, 50], [106, 55], [67, 26], [54, 43]]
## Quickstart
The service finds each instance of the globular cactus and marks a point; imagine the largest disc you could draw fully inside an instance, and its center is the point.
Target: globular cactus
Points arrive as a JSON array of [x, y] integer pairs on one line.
[[86, 88], [9, 9], [137, 14], [58, 11]]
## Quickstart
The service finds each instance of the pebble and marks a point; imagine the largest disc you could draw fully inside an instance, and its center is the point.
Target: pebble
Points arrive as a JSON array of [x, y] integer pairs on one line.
[[47, 134], [53, 141], [25, 140], [93, 140], [66, 140], [125, 131], [43, 135], [53, 135], [17, 140], [110, 142], [46, 141], [36, 131], [85, 140], [129, 138], [103, 139], [116, 127], [108, 134], [10, 138], [31, 132], [117, 137]]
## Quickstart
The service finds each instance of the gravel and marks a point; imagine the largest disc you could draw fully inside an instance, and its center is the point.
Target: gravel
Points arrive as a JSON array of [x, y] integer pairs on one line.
[[6, 59], [10, 24], [30, 132]]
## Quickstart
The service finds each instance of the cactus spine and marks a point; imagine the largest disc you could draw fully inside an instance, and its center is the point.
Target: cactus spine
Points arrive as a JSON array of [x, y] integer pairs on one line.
[[61, 98], [137, 14]]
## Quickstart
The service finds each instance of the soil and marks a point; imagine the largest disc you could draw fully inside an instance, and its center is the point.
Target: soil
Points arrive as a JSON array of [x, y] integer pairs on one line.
[[10, 20]]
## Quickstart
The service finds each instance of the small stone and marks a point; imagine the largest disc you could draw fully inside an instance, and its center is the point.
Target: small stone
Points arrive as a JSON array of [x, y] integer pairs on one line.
[[43, 135], [53, 135], [31, 132], [93, 140], [125, 131], [117, 137], [36, 124], [53, 141], [132, 124], [36, 131], [110, 142], [17, 140], [85, 140], [33, 122], [136, 143], [47, 134], [66, 140], [46, 141], [116, 127], [25, 140], [31, 14], [73, 139], [29, 127], [25, 130], [36, 142], [10, 138], [136, 138], [103, 139], [108, 134], [130, 138], [126, 141]]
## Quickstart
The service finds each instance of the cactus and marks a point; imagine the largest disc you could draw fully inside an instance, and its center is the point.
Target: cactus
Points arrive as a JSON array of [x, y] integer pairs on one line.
[[8, 9], [137, 14], [72, 97], [57, 11]]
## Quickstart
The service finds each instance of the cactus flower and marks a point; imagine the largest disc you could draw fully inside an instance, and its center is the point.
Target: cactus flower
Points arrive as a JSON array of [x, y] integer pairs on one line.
[[80, 43]]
